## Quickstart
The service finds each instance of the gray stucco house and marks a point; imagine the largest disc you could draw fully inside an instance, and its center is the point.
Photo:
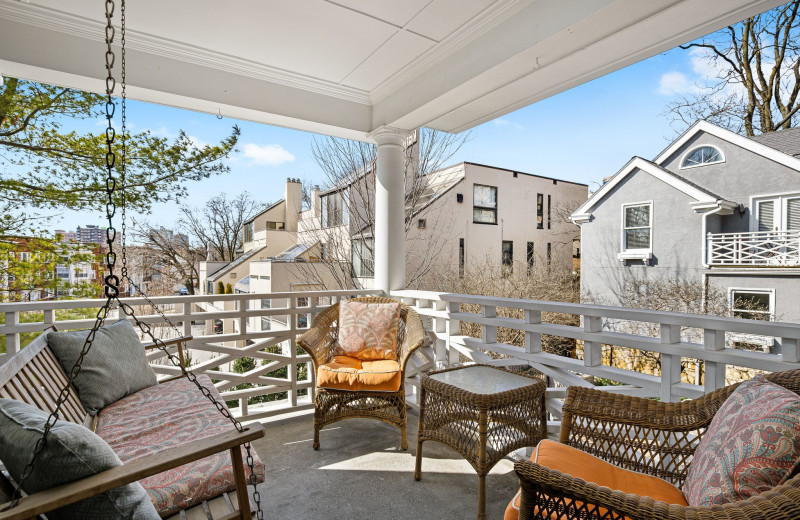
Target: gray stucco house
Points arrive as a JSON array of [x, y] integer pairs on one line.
[[714, 207]]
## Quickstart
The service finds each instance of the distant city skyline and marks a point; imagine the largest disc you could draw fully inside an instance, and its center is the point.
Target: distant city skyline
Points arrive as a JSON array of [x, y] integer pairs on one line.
[[583, 135]]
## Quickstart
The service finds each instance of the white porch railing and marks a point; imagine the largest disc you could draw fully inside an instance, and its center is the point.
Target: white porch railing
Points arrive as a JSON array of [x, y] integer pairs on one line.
[[211, 354], [764, 248], [275, 349], [444, 315]]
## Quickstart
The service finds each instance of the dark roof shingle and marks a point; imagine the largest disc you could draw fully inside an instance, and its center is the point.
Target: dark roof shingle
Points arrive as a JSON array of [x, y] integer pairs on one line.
[[786, 141]]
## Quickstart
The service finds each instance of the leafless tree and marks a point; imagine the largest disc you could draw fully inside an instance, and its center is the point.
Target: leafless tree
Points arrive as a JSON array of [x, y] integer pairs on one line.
[[542, 282], [757, 67], [175, 254], [668, 295], [218, 223], [349, 167], [167, 259]]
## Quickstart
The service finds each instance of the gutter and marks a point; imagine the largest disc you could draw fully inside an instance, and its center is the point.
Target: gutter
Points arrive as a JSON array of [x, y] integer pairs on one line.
[[723, 207]]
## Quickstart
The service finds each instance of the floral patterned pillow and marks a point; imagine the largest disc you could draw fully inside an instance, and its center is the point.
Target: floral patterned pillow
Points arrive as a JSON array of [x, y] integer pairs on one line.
[[368, 331], [751, 446]]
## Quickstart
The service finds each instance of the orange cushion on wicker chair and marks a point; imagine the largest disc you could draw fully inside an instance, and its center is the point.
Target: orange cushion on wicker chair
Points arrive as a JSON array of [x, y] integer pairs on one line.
[[578, 464], [368, 331], [347, 373]]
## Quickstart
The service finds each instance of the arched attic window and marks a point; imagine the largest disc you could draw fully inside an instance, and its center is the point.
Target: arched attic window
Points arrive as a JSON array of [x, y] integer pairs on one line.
[[701, 156]]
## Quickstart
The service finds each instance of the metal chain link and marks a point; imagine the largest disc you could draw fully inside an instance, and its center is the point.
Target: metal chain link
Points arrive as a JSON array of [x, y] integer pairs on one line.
[[220, 406], [124, 155], [111, 287], [111, 281]]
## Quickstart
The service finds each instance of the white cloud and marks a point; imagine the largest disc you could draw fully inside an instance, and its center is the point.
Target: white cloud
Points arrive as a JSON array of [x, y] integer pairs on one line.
[[506, 122], [199, 143], [268, 154], [676, 83]]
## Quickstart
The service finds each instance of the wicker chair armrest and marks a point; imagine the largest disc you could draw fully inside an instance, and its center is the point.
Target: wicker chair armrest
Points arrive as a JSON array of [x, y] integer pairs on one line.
[[544, 489], [315, 340], [619, 409], [415, 337]]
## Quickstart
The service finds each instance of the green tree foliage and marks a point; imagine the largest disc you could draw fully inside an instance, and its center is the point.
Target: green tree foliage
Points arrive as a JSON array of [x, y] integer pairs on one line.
[[228, 288], [246, 364], [28, 269], [220, 287], [36, 317], [46, 164]]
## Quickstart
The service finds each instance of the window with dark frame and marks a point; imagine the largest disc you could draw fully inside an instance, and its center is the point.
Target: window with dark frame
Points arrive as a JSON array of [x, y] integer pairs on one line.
[[461, 262], [548, 212], [539, 211], [530, 256], [549, 253], [248, 232], [508, 257], [484, 204], [422, 223]]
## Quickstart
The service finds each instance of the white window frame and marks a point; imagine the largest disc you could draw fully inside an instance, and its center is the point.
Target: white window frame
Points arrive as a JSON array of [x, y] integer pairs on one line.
[[771, 292], [781, 209], [645, 254], [684, 156]]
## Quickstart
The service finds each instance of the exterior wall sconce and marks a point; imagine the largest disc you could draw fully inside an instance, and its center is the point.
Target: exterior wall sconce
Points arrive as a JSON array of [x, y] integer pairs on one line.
[[741, 209]]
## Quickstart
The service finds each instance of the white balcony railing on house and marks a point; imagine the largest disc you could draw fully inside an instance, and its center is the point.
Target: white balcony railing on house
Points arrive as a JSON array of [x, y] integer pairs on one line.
[[763, 248], [681, 338]]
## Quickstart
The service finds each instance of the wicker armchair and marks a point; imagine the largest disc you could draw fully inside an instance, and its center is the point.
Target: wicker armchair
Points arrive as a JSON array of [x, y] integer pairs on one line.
[[649, 437], [331, 405]]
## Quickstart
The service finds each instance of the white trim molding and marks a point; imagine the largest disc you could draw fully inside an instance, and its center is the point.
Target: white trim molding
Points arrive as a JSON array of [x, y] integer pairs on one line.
[[682, 166], [731, 137], [706, 200], [644, 254]]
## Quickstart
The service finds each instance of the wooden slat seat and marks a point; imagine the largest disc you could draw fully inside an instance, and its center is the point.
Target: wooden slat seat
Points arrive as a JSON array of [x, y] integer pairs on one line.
[[35, 377]]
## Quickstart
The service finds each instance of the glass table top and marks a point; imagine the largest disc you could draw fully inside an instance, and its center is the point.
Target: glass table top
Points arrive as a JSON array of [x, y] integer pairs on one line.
[[483, 380]]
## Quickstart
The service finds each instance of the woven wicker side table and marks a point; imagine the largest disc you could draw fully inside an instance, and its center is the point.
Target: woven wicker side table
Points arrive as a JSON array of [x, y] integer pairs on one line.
[[482, 412]]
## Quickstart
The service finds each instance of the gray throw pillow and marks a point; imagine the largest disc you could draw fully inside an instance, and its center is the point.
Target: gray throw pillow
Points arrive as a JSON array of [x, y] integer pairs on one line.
[[72, 452], [115, 366]]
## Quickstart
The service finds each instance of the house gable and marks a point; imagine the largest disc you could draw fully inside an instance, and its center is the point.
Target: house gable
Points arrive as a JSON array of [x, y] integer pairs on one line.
[[745, 171], [703, 199]]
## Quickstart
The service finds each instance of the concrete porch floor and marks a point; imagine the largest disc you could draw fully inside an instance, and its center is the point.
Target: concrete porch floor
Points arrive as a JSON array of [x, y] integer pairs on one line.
[[360, 472]]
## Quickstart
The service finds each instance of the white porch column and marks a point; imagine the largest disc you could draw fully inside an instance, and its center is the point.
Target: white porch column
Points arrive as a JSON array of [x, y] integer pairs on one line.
[[390, 232]]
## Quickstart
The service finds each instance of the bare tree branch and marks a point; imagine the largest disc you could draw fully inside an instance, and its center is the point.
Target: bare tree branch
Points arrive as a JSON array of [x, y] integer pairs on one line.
[[757, 88]]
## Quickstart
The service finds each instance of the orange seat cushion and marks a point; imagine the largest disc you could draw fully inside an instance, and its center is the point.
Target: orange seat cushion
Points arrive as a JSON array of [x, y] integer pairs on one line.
[[587, 467], [347, 373]]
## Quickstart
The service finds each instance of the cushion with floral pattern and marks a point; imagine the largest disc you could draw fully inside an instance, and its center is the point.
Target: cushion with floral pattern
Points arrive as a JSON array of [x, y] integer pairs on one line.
[[751, 446], [367, 331]]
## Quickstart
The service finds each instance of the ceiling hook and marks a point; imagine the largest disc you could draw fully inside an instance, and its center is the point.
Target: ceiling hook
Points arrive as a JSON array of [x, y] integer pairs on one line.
[[219, 114]]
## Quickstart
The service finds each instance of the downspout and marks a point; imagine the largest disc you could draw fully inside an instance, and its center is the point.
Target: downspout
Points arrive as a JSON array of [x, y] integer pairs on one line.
[[704, 249]]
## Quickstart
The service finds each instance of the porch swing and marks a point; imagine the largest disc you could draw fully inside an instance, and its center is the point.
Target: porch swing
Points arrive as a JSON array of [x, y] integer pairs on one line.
[[41, 404]]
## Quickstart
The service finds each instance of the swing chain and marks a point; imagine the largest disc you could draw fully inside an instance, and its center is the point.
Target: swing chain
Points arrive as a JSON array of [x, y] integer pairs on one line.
[[111, 281], [175, 360], [111, 287], [124, 154]]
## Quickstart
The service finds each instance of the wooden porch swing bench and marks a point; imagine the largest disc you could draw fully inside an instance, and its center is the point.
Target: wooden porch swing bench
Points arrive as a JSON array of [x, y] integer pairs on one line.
[[202, 447]]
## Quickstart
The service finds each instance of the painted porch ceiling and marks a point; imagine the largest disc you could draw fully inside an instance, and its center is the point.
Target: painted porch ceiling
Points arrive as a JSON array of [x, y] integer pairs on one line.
[[346, 67]]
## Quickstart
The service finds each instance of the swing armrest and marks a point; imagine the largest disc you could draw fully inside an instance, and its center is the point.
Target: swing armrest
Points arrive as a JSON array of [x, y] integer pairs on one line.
[[66, 494], [168, 342], [174, 341]]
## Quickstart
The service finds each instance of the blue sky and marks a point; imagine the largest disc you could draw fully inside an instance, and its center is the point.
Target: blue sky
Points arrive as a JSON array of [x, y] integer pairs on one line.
[[582, 135]]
